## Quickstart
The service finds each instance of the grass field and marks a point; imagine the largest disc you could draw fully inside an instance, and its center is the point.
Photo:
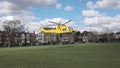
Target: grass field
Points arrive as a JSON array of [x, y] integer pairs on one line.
[[85, 55]]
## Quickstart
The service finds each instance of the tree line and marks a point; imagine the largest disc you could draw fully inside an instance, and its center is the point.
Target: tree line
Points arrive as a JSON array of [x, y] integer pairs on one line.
[[89, 36]]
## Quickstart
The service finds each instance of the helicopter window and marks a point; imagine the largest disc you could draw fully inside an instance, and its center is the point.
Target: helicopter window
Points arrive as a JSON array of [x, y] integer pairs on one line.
[[48, 28], [70, 28], [64, 29]]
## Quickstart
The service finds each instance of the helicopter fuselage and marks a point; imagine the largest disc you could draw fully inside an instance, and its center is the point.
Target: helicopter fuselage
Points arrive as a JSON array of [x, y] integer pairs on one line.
[[59, 29]]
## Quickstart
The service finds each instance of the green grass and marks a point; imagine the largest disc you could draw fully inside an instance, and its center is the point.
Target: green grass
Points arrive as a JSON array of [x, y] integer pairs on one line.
[[88, 55]]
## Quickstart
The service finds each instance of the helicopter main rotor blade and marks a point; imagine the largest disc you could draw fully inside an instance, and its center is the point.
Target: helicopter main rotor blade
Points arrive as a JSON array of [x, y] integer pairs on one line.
[[67, 22], [54, 22]]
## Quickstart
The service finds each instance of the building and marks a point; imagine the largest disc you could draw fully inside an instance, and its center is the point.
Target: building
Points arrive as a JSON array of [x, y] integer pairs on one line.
[[49, 38], [46, 38], [17, 39]]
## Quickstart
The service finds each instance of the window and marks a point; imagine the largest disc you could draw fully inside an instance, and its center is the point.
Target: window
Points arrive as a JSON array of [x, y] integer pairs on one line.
[[64, 29], [23, 36], [16, 34], [70, 28]]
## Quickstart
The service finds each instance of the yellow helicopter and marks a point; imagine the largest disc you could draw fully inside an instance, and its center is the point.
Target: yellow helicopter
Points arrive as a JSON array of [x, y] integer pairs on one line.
[[60, 29]]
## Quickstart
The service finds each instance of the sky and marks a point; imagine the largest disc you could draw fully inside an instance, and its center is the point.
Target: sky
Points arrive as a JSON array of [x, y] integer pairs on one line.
[[86, 15]]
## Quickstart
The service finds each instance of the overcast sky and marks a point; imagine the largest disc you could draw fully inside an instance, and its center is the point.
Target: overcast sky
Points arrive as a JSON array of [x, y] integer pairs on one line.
[[85, 14]]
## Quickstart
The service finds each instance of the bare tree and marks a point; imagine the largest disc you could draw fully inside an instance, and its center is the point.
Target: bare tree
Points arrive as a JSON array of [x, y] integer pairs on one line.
[[11, 27], [93, 36], [107, 32]]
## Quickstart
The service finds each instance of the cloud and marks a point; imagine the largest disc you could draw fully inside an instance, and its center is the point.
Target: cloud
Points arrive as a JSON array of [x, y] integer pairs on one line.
[[58, 6], [25, 18], [26, 3], [68, 8], [10, 7], [29, 22], [95, 21], [91, 13], [32, 27], [105, 4], [2, 19], [6, 7], [21, 10], [90, 5], [100, 23]]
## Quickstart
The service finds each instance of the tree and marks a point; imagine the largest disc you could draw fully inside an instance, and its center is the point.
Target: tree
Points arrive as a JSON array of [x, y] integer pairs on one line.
[[93, 36], [77, 35], [107, 32], [10, 27]]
